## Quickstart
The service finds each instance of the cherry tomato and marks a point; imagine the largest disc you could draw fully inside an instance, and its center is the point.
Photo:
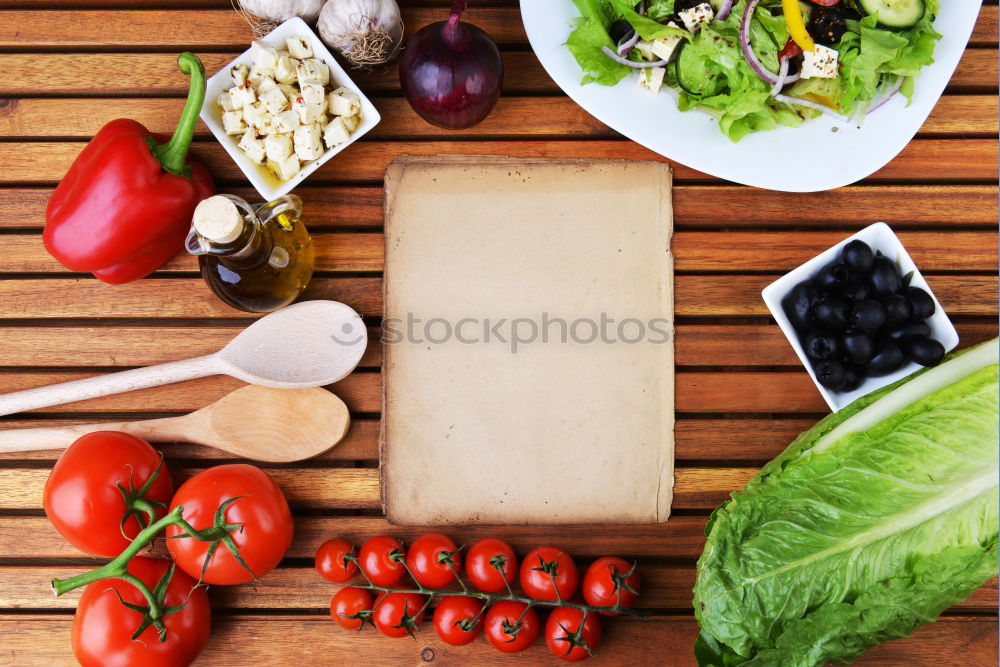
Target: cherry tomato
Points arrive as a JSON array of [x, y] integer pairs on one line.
[[375, 560], [330, 561], [561, 629], [537, 569], [399, 614], [825, 3], [260, 508], [481, 562], [456, 619], [505, 632], [602, 583], [347, 603], [790, 50], [428, 559], [103, 626], [82, 499]]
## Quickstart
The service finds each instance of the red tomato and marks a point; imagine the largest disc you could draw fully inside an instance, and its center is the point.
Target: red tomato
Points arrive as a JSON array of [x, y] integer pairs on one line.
[[81, 496], [347, 603], [825, 3], [399, 614], [429, 557], [538, 568], [482, 562], [376, 562], [603, 581], [562, 638], [790, 50], [330, 561], [103, 626], [456, 619], [505, 632], [260, 508]]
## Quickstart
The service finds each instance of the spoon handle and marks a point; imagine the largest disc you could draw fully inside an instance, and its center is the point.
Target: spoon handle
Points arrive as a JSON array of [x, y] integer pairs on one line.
[[167, 429], [113, 383]]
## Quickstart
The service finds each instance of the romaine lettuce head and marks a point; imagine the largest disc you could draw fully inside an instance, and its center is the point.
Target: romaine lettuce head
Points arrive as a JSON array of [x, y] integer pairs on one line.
[[869, 525]]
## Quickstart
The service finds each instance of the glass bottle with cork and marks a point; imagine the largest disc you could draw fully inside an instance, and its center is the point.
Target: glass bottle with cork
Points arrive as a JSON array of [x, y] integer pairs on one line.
[[257, 259]]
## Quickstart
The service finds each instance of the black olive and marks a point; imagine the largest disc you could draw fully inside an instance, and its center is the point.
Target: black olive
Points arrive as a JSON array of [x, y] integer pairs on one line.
[[888, 359], [799, 304], [827, 24], [830, 374], [897, 310], [858, 257], [853, 377], [621, 31], [921, 303], [681, 5], [911, 329], [922, 349], [832, 313], [867, 315], [858, 347], [833, 277], [884, 278], [820, 345], [855, 290]]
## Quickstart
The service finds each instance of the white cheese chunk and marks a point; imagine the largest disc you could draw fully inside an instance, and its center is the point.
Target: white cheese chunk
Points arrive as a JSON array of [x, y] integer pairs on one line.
[[652, 78], [312, 91], [352, 122], [252, 147], [285, 71], [821, 63], [312, 69], [286, 168], [278, 147], [299, 47], [232, 122], [255, 75], [309, 113], [308, 142], [664, 47], [274, 101], [241, 96], [695, 16], [285, 122], [239, 74], [266, 83], [225, 101], [264, 57], [336, 132], [343, 102]]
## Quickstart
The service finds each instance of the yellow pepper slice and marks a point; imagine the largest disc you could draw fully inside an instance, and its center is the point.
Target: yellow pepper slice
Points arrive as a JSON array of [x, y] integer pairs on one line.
[[797, 25]]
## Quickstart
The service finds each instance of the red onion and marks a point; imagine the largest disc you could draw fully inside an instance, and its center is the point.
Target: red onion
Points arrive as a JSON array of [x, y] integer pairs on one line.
[[784, 78], [627, 45], [809, 105], [751, 57], [724, 10], [631, 63], [889, 93], [451, 72]]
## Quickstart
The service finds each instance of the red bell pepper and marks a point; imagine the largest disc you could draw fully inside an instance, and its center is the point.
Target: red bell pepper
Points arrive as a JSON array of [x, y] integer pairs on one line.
[[123, 209]]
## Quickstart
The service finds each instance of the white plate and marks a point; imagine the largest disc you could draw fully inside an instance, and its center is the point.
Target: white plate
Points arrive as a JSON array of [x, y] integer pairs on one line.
[[267, 184], [808, 158]]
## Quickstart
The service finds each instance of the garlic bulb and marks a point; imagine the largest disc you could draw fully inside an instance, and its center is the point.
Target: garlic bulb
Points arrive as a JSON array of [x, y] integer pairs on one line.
[[366, 32], [279, 11]]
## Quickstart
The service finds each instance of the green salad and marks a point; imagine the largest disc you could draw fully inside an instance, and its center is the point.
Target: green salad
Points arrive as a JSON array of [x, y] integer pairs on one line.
[[756, 64]]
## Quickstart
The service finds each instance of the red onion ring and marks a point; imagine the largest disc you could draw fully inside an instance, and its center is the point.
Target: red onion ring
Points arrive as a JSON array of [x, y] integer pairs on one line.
[[724, 10], [631, 63], [886, 96], [627, 45], [755, 64], [810, 105], [782, 75]]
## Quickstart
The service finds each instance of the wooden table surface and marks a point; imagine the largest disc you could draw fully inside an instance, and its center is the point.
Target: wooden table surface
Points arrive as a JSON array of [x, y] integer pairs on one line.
[[69, 66]]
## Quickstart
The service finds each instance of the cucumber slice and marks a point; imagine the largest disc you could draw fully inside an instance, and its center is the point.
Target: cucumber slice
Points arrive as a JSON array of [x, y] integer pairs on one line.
[[894, 13], [692, 77]]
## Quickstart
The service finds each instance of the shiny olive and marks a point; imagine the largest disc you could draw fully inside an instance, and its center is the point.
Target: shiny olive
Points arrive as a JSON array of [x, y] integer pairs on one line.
[[897, 310], [833, 277], [922, 349], [830, 374], [911, 329], [884, 277], [621, 31], [855, 290], [858, 257], [867, 315], [827, 24], [820, 345], [887, 359], [832, 313], [857, 347], [853, 377], [921, 303], [799, 304]]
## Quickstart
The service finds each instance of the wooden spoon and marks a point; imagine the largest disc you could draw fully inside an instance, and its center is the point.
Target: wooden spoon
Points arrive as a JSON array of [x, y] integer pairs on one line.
[[274, 425], [307, 344]]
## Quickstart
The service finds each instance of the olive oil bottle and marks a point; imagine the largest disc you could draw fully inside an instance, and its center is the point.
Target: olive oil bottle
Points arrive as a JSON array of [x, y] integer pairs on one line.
[[255, 258]]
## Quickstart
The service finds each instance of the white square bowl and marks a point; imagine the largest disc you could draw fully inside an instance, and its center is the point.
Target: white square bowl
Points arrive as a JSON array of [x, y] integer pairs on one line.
[[880, 238], [263, 179]]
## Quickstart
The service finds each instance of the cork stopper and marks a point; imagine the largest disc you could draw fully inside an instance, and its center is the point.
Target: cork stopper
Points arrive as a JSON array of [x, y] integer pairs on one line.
[[218, 220]]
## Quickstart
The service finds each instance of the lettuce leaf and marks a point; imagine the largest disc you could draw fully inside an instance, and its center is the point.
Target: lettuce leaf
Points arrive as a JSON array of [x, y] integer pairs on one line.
[[589, 34], [869, 525]]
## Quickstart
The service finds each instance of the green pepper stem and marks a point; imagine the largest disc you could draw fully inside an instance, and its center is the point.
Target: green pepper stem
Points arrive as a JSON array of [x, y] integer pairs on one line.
[[172, 155]]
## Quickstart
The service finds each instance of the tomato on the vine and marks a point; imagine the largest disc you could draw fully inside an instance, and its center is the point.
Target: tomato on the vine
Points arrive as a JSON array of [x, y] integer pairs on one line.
[[85, 493], [346, 605], [546, 570], [331, 562], [456, 619], [103, 626], [399, 614], [484, 562], [605, 579], [565, 638], [505, 631], [431, 558], [254, 502], [376, 560]]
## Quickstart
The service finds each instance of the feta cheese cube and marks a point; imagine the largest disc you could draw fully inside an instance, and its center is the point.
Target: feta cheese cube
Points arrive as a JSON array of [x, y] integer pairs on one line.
[[664, 47], [694, 17], [285, 71], [336, 132], [652, 78], [252, 147], [241, 96], [309, 113], [285, 122], [821, 63], [308, 144], [264, 57], [266, 83], [299, 47], [312, 69], [312, 91], [232, 122], [352, 122], [278, 147], [255, 76], [274, 101], [239, 74], [290, 91], [225, 101], [286, 168], [343, 102]]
